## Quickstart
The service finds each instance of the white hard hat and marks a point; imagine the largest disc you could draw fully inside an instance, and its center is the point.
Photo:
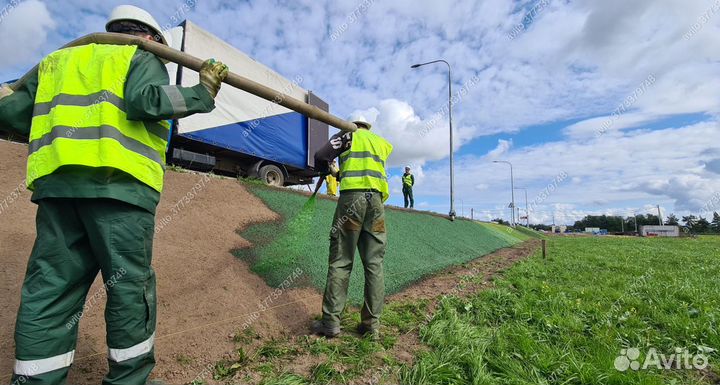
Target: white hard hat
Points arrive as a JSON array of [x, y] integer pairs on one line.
[[363, 124], [133, 13]]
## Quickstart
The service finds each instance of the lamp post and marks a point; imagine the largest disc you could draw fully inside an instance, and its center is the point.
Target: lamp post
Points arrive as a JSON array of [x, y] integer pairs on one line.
[[512, 189], [452, 170], [635, 218], [527, 212]]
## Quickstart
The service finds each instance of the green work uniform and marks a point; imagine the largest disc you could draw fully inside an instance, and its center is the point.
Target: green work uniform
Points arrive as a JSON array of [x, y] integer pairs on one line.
[[90, 220], [359, 223]]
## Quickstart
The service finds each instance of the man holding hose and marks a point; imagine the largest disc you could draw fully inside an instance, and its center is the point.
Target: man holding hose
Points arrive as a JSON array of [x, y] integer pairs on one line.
[[96, 117], [359, 223]]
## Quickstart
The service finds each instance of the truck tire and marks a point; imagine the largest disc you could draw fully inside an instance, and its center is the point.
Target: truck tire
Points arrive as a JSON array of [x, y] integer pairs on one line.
[[272, 175]]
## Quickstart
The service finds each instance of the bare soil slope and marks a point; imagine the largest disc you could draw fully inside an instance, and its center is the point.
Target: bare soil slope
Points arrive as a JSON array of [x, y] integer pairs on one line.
[[205, 294]]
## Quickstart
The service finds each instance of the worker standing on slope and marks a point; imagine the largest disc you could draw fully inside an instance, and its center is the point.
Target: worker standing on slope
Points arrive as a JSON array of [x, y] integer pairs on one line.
[[96, 120], [408, 181], [359, 223], [331, 181]]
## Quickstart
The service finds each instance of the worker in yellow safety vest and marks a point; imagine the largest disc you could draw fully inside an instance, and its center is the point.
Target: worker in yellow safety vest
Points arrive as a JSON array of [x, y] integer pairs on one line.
[[96, 117], [331, 182], [359, 223], [408, 181]]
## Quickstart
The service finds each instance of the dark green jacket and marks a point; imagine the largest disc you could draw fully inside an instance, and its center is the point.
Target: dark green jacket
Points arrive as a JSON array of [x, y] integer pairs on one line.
[[145, 99]]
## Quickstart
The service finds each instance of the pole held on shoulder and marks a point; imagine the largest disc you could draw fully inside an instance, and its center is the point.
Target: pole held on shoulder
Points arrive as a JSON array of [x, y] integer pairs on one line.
[[186, 60]]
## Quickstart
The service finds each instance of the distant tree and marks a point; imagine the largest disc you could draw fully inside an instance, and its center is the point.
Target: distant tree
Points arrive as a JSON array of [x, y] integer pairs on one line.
[[671, 220], [500, 221], [689, 221], [609, 223], [649, 219], [702, 226], [630, 224], [541, 227], [715, 224]]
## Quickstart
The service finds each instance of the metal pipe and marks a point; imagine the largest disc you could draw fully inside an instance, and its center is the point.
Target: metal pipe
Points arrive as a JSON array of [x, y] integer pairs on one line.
[[186, 60]]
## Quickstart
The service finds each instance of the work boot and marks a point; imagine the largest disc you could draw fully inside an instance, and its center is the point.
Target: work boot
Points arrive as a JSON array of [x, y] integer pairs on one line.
[[366, 331], [319, 328]]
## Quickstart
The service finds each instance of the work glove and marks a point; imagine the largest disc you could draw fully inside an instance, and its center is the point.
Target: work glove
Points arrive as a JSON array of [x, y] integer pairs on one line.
[[5, 90], [334, 170], [212, 74]]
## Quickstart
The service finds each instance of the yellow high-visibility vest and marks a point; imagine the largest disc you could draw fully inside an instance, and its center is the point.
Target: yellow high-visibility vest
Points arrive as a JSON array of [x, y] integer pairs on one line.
[[362, 167], [407, 180], [79, 117]]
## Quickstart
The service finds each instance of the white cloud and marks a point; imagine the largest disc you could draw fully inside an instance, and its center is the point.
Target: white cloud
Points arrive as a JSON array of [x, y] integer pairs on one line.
[[23, 33], [607, 125], [577, 61], [634, 168], [415, 140], [502, 147]]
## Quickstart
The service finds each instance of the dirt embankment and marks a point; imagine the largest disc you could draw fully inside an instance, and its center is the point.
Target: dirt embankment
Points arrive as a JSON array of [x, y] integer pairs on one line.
[[204, 292]]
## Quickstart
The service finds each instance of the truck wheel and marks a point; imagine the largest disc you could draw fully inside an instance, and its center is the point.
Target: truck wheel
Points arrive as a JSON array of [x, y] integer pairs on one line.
[[272, 175]]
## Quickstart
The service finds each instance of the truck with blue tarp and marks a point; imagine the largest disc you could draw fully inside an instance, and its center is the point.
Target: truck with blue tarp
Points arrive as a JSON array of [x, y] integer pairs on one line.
[[245, 136]]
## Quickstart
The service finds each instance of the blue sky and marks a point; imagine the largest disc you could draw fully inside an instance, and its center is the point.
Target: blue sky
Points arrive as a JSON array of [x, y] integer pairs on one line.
[[622, 97]]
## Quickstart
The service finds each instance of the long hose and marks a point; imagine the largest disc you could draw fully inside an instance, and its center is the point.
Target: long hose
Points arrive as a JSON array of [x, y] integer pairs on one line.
[[186, 60]]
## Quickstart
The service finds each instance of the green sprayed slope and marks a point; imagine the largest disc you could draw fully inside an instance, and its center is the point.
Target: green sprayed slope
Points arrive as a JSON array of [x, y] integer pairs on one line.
[[530, 232], [418, 244]]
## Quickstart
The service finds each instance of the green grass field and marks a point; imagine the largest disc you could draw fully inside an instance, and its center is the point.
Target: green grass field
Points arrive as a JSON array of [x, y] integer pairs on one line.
[[560, 320], [565, 320], [418, 244]]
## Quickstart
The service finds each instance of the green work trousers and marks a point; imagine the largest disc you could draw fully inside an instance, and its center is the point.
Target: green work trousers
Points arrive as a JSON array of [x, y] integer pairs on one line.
[[359, 223], [76, 239]]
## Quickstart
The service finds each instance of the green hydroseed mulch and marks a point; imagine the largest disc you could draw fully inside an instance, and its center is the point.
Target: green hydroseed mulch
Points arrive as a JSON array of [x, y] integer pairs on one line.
[[530, 232], [418, 244]]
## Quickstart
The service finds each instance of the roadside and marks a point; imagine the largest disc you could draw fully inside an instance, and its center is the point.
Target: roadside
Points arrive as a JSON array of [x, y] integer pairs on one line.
[[261, 358], [570, 318]]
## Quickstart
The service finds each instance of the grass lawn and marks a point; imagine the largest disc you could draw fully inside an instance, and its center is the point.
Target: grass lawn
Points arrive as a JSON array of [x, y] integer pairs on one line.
[[563, 320], [418, 244]]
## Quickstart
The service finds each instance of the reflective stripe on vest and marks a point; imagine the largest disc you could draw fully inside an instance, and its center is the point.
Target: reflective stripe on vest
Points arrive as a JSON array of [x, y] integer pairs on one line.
[[407, 180], [363, 165], [79, 117]]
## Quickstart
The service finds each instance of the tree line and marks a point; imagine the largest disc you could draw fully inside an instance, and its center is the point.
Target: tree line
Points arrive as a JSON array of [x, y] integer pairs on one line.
[[615, 224]]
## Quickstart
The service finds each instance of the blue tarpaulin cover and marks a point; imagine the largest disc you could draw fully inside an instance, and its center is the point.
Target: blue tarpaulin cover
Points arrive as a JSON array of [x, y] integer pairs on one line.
[[280, 138]]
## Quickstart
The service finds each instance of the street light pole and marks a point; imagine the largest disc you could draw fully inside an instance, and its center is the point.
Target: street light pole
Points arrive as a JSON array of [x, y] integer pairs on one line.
[[512, 189], [452, 169], [635, 217], [527, 212]]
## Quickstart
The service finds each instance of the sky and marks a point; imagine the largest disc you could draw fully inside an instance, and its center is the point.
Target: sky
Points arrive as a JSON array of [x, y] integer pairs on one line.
[[602, 107]]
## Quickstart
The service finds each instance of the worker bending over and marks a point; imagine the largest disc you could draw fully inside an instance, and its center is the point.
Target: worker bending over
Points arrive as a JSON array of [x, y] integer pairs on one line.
[[408, 181], [359, 223], [96, 120]]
